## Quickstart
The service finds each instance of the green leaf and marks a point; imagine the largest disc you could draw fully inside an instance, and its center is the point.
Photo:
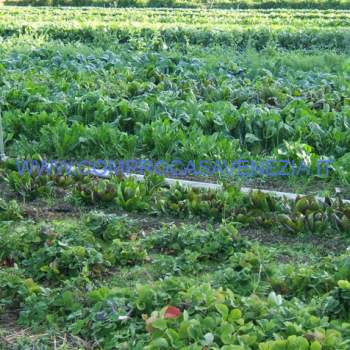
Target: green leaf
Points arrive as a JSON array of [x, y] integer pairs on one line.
[[160, 343], [226, 334], [208, 339], [223, 309], [160, 323], [173, 336], [315, 346], [344, 284], [235, 315]]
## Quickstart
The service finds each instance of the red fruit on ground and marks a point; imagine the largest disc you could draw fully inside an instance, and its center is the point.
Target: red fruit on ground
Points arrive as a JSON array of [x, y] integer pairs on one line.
[[172, 312]]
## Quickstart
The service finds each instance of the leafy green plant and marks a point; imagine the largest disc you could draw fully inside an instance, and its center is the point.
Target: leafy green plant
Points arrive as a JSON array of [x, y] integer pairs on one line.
[[10, 211], [110, 227], [124, 253], [29, 186]]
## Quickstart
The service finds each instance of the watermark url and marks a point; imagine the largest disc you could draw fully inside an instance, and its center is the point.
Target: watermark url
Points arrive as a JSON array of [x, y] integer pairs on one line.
[[174, 168]]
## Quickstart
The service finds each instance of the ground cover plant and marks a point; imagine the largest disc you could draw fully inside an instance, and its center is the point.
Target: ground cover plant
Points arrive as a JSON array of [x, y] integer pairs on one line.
[[91, 263]]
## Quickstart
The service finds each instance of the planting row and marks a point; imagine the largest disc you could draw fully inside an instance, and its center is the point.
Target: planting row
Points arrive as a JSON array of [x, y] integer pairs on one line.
[[86, 103], [107, 283], [287, 29], [257, 209]]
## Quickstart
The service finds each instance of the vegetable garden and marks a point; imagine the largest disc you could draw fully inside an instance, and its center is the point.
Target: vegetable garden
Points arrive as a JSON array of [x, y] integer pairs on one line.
[[114, 263]]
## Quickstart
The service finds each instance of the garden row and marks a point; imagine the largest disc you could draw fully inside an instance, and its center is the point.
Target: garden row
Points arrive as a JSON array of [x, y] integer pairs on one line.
[[153, 196], [231, 4], [290, 30], [99, 281]]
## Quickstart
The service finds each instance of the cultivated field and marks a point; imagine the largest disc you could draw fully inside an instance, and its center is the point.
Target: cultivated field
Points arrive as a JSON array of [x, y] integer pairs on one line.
[[91, 263]]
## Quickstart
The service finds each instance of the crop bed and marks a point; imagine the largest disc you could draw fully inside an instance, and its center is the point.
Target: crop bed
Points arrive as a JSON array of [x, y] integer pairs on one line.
[[89, 263]]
